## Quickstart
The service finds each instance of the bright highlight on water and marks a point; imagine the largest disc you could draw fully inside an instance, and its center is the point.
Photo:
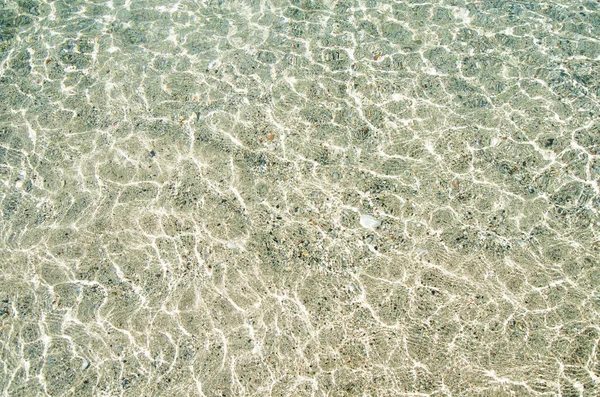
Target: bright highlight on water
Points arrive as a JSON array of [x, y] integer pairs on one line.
[[299, 198]]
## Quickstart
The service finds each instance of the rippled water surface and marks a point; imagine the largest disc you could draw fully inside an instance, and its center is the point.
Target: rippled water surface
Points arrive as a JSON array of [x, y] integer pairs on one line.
[[299, 198]]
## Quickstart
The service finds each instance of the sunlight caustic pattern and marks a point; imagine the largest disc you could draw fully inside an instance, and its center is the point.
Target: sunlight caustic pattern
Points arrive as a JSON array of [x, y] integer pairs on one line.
[[299, 198]]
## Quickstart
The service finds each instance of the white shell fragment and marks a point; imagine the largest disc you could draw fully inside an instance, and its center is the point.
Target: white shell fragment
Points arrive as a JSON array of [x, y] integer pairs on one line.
[[369, 222]]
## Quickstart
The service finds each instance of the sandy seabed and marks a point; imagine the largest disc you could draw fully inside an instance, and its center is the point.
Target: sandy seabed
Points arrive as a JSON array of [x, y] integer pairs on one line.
[[299, 198]]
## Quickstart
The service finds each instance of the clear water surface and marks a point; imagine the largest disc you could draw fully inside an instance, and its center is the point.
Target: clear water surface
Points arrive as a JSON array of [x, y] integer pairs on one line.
[[299, 198]]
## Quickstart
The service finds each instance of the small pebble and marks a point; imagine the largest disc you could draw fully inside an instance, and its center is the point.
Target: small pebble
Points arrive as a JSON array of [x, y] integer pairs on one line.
[[369, 222], [270, 137]]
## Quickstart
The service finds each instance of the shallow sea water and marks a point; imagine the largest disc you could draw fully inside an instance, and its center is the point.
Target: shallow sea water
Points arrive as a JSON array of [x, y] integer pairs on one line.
[[299, 198]]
